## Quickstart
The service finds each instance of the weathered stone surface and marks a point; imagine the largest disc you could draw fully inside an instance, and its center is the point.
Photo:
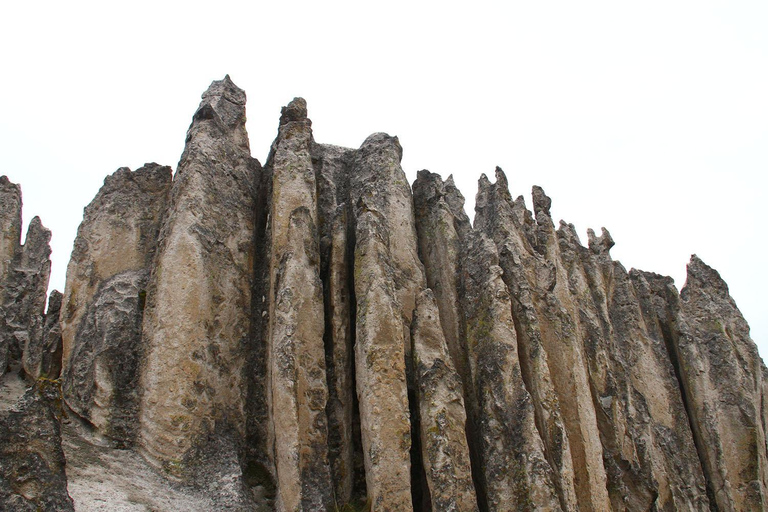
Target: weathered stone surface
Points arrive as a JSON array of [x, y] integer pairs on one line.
[[648, 452], [198, 308], [10, 245], [549, 355], [118, 233], [724, 381], [43, 359], [296, 352], [10, 220], [32, 476], [442, 225], [100, 382], [514, 471], [387, 277], [104, 299], [445, 452], [23, 296], [313, 335]]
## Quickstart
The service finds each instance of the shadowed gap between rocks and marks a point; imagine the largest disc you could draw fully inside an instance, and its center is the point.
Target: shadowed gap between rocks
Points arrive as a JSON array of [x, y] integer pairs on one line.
[[255, 461], [357, 493], [669, 342], [422, 501]]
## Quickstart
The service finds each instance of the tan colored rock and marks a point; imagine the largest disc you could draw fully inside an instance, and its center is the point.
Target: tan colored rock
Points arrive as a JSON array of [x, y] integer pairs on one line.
[[100, 384], [513, 469], [47, 363], [387, 276], [724, 381], [648, 452], [22, 300], [550, 360], [296, 351], [118, 233], [442, 417], [197, 316], [104, 299]]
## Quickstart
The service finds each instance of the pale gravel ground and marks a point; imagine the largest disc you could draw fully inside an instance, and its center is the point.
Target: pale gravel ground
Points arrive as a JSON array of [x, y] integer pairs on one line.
[[12, 387], [99, 475]]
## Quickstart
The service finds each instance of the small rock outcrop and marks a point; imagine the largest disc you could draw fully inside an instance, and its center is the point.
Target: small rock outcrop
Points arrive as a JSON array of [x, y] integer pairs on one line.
[[315, 334], [32, 463]]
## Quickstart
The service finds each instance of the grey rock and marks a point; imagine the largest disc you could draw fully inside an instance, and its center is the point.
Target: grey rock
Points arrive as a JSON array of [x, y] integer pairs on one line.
[[10, 219], [387, 278], [118, 233], [442, 416], [32, 463], [331, 167], [101, 379], [724, 381], [43, 359], [649, 454], [23, 297], [513, 469], [442, 225], [314, 335], [552, 369]]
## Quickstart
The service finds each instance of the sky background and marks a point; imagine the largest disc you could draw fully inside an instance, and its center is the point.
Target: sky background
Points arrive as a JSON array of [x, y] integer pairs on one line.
[[650, 119]]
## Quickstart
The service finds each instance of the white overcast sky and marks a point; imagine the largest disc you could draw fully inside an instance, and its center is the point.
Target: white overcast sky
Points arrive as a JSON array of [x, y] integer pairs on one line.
[[649, 118]]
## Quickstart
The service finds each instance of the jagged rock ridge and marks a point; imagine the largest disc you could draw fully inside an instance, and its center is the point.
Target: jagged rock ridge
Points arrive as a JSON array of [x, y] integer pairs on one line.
[[314, 333]]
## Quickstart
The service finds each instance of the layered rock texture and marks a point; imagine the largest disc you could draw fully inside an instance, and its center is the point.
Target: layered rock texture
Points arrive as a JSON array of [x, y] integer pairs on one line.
[[316, 334]]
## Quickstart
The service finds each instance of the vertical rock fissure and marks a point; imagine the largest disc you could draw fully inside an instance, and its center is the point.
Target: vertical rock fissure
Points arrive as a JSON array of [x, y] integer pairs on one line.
[[422, 501], [527, 377], [359, 488], [255, 460], [674, 358]]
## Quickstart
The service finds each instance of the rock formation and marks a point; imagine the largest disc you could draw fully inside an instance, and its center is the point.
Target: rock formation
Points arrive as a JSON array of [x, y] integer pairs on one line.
[[32, 475], [314, 334]]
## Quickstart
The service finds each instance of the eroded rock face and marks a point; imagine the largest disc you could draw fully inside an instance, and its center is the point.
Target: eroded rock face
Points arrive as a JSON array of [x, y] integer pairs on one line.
[[104, 299], [197, 315], [118, 233], [32, 462], [442, 416], [296, 352], [442, 226], [313, 334], [649, 454], [23, 299], [43, 359], [387, 277], [101, 379], [10, 219], [550, 355], [723, 379], [345, 453], [513, 469]]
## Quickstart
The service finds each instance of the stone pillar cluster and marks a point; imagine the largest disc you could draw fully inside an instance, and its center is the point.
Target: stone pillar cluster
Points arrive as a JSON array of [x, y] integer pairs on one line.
[[348, 339]]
